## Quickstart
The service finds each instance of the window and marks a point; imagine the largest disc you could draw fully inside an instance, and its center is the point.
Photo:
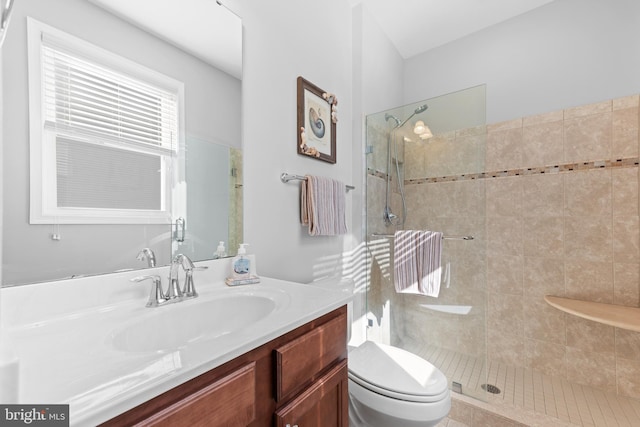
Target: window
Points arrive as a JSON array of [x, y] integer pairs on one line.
[[104, 133]]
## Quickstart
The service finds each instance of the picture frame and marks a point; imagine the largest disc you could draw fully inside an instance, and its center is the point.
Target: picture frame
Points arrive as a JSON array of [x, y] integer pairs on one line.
[[317, 118]]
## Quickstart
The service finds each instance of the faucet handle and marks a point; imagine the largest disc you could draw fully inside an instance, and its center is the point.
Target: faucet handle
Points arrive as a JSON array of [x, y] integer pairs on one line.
[[156, 296], [174, 293], [189, 290]]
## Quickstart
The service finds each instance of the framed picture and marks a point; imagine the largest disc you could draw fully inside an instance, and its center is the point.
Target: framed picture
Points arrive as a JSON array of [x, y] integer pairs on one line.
[[317, 117]]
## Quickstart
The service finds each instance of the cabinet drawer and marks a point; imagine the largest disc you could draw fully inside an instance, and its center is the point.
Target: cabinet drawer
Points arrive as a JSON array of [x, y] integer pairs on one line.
[[229, 401], [324, 403], [300, 361]]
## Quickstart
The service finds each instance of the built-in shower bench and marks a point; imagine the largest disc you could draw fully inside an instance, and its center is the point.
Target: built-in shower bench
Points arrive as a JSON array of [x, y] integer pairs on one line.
[[610, 314]]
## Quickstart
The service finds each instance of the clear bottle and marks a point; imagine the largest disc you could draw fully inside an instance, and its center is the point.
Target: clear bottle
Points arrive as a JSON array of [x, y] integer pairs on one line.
[[241, 264], [221, 251]]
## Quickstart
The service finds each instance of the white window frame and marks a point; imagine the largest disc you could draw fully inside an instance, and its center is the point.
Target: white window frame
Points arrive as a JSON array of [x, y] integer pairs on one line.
[[43, 181]]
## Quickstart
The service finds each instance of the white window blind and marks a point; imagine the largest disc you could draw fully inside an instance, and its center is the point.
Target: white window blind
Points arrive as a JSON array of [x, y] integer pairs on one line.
[[104, 134], [81, 97]]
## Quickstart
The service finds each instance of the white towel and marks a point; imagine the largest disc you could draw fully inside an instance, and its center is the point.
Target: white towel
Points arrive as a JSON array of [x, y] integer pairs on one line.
[[417, 262], [322, 206]]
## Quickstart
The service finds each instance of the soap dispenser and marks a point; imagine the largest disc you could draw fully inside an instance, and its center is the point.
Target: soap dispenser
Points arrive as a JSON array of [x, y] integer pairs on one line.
[[220, 252], [243, 269], [241, 265]]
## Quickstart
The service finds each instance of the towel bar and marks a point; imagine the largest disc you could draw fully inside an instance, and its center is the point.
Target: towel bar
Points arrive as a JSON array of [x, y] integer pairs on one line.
[[286, 177], [443, 237]]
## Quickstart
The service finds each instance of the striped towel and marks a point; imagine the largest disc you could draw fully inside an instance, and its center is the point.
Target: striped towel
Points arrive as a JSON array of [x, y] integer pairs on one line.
[[322, 206], [417, 256]]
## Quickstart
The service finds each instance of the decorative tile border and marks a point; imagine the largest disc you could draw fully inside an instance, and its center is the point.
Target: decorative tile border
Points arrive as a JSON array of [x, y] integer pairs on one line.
[[567, 167], [377, 174]]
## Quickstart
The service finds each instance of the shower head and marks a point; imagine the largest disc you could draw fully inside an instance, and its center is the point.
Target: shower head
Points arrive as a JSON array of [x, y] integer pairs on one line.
[[418, 110], [422, 108]]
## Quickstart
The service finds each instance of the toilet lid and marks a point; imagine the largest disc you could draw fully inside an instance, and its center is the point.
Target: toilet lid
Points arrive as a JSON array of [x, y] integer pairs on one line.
[[396, 373]]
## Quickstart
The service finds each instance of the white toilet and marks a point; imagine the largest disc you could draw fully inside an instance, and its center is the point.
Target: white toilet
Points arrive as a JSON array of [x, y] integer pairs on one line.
[[389, 386]]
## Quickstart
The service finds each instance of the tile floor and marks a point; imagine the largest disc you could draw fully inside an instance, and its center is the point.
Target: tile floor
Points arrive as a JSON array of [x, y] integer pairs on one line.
[[528, 397]]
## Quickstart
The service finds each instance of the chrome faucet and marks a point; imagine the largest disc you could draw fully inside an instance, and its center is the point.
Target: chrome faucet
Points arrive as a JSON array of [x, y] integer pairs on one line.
[[174, 293], [189, 289], [147, 254], [174, 290]]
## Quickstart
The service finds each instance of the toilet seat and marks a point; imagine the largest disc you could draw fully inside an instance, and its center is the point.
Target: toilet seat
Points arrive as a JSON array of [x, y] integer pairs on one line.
[[396, 373]]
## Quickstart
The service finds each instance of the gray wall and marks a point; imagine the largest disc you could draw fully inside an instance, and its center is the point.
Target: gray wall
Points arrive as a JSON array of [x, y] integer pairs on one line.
[[564, 54], [382, 67], [281, 42], [29, 253]]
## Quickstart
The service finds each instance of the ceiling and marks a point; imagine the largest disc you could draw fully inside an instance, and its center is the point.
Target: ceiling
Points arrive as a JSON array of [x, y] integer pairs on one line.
[[415, 26], [213, 33], [203, 28]]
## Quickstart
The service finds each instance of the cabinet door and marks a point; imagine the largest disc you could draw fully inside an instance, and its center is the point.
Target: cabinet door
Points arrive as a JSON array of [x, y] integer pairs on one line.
[[228, 402], [300, 361], [324, 404]]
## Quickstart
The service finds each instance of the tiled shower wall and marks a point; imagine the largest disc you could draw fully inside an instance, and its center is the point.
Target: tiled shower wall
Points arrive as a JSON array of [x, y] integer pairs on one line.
[[570, 231], [552, 200]]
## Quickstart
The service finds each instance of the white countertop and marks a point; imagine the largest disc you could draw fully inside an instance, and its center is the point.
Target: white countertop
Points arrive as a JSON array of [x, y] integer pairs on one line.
[[67, 355]]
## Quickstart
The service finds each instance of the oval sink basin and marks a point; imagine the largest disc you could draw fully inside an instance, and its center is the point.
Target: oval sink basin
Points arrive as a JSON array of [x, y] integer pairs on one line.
[[176, 325]]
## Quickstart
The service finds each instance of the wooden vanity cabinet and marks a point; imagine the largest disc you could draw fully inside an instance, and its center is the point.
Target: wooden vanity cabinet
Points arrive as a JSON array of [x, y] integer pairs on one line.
[[299, 378]]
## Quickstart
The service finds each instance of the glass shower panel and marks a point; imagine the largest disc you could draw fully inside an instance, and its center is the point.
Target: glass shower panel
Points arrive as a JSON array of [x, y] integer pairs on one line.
[[437, 182]]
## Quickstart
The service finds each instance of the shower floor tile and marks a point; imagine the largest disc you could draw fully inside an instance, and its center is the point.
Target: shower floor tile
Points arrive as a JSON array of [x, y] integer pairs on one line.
[[532, 392]]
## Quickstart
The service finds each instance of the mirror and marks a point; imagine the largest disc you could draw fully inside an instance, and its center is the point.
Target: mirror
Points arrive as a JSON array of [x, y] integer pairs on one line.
[[207, 178]]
